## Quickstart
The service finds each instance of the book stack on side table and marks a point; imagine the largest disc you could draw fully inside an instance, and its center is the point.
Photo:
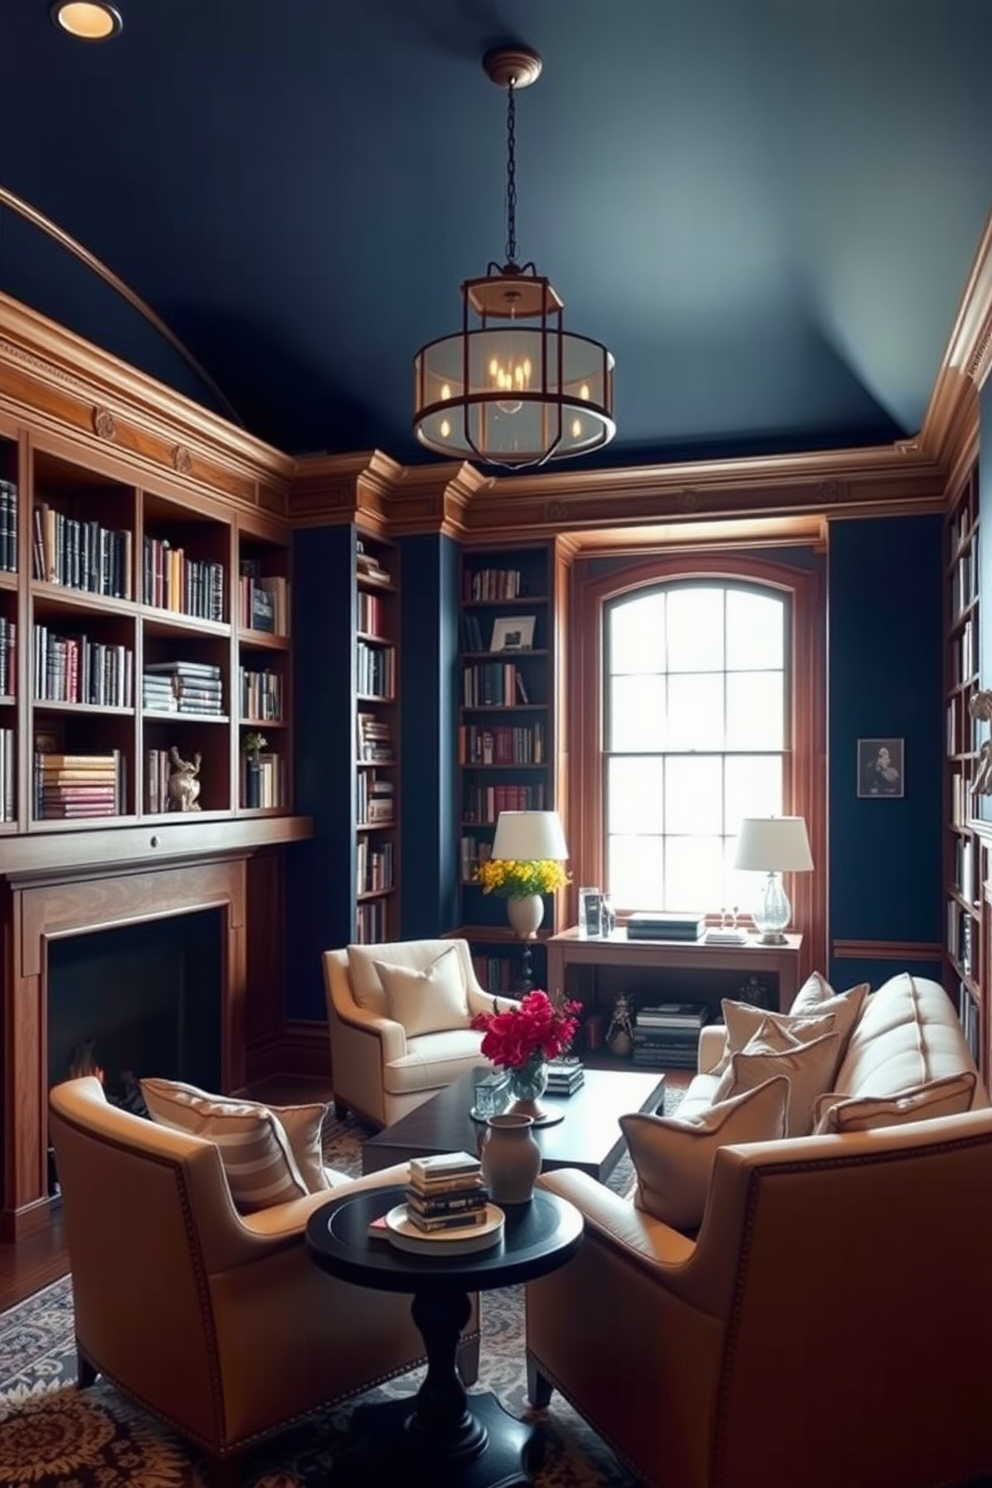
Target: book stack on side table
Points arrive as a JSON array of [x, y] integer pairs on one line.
[[565, 1076], [667, 1033], [446, 1192], [660, 924]]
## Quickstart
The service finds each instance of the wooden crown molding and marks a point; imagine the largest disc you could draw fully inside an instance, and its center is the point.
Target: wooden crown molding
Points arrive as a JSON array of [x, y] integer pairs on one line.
[[65, 382]]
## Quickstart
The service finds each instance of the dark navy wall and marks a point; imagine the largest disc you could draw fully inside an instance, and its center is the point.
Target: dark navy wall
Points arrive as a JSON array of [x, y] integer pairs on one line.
[[320, 872], [885, 680], [428, 683]]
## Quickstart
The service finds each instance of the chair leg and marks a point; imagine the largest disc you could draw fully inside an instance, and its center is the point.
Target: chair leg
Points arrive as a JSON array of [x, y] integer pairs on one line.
[[85, 1372], [539, 1387]]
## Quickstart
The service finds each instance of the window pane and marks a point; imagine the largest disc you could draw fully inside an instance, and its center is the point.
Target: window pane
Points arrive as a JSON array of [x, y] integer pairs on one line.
[[693, 872], [637, 713], [755, 631], [635, 634], [695, 629], [695, 711], [753, 787], [634, 867], [755, 710], [634, 801], [694, 795]]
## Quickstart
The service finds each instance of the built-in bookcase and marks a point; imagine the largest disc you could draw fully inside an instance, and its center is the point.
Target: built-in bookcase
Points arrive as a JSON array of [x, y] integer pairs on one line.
[[376, 740], [510, 702], [965, 852]]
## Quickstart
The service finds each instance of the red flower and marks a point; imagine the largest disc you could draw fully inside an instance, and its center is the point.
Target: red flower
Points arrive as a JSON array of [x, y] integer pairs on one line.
[[535, 1029]]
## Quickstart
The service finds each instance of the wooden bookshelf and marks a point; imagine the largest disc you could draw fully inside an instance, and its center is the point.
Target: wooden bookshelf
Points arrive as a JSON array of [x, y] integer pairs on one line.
[[376, 736]]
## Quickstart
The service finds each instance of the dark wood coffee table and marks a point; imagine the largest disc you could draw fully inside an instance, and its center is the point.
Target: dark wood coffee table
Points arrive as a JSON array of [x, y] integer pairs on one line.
[[588, 1138], [441, 1436]]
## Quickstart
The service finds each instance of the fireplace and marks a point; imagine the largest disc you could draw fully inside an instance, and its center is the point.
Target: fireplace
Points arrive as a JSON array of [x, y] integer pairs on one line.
[[149, 963]]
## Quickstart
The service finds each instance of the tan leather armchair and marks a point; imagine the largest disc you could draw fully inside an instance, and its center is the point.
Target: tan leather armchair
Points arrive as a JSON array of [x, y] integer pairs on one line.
[[217, 1322], [377, 1070], [829, 1327]]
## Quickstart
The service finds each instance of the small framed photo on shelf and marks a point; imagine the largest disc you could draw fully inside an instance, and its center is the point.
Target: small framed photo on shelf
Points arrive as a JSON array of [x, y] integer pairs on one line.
[[881, 768], [513, 633]]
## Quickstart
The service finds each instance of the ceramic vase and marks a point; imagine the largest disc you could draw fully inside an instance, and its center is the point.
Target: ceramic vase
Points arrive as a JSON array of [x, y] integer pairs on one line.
[[510, 1157], [525, 915], [528, 1082]]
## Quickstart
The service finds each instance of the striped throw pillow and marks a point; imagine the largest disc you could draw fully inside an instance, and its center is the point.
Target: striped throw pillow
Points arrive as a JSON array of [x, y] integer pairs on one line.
[[254, 1149]]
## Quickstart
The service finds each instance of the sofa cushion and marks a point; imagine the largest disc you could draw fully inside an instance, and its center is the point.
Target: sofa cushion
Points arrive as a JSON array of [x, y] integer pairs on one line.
[[774, 1051], [742, 1021], [254, 1147], [816, 990], [366, 985], [949, 1096], [426, 1001], [673, 1157], [907, 1035]]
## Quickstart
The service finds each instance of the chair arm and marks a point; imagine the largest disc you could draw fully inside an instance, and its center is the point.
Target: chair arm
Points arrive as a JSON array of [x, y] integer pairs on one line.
[[618, 1223], [480, 1001], [288, 1221], [391, 1035], [712, 1046]]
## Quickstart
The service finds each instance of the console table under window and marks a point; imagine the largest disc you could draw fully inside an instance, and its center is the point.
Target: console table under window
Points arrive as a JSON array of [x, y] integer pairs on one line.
[[593, 968]]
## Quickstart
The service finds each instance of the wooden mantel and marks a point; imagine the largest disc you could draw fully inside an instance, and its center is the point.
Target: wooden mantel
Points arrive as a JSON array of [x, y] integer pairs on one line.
[[112, 878]]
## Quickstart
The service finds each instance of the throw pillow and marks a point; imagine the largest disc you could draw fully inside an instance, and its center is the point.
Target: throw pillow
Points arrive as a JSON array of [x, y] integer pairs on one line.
[[366, 985], [254, 1148], [816, 990], [673, 1159], [949, 1096], [774, 1051], [426, 1001], [743, 1019]]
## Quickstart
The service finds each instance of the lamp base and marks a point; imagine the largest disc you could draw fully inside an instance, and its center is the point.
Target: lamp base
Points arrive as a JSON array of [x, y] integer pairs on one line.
[[773, 937]]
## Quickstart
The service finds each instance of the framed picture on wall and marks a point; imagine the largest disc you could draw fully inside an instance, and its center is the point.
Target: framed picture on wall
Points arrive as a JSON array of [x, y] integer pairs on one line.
[[881, 768]]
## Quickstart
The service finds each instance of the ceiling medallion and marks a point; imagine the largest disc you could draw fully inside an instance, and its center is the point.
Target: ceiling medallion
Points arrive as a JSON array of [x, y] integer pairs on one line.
[[513, 388], [104, 424], [87, 20]]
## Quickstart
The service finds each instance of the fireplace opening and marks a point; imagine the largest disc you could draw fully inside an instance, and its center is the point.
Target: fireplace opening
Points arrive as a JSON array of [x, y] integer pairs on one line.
[[135, 1001]]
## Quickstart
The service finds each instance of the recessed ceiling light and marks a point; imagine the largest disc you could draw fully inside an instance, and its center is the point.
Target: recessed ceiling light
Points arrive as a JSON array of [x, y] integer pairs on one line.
[[90, 20]]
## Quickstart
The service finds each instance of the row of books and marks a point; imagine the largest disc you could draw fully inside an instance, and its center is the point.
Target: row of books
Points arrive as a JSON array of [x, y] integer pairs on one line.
[[8, 526], [375, 670], [263, 781], [8, 657], [493, 583], [369, 566], [494, 684], [483, 803], [188, 586], [370, 922], [263, 599], [81, 555], [261, 696], [375, 799], [8, 753], [667, 1033], [375, 739], [374, 866], [183, 687], [74, 669], [372, 614], [502, 745]]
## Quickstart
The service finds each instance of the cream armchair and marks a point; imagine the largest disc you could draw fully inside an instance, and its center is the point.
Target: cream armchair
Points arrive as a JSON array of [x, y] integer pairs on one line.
[[219, 1323], [829, 1327], [379, 1069]]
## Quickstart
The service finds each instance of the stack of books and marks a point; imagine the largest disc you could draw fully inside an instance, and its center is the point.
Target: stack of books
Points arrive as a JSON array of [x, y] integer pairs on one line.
[[661, 924], [446, 1192], [565, 1076], [183, 687], [68, 786], [667, 1033]]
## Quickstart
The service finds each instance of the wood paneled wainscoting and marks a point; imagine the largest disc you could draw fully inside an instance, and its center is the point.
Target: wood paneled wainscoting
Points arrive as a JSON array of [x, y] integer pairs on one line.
[[44, 903]]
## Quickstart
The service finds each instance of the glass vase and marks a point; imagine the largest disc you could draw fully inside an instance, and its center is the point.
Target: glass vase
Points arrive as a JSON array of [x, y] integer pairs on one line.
[[528, 1082]]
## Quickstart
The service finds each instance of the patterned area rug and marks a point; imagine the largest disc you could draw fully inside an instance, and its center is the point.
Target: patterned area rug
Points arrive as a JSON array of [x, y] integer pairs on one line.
[[55, 1436]]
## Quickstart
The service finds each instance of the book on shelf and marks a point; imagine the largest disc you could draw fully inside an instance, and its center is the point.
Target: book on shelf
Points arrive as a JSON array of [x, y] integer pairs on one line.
[[672, 1015]]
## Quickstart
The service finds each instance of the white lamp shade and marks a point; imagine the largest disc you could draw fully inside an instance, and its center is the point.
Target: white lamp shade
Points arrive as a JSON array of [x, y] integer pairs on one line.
[[530, 835], [773, 844]]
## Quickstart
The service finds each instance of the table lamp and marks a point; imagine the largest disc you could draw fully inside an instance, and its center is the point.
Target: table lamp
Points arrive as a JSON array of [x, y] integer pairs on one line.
[[773, 845], [528, 837]]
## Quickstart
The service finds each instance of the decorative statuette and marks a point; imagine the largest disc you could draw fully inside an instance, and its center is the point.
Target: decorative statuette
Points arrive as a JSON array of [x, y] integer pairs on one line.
[[620, 1035], [103, 423], [980, 706], [184, 784]]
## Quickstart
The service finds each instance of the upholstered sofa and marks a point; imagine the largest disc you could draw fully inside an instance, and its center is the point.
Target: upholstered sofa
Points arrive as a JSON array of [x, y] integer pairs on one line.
[[829, 1325], [400, 1035]]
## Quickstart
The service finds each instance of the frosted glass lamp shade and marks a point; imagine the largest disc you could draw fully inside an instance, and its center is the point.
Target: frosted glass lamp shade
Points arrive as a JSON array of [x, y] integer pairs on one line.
[[529, 836], [773, 845]]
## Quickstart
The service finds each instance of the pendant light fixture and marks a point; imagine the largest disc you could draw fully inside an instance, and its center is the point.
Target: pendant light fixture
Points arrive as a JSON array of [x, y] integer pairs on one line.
[[89, 20], [513, 388]]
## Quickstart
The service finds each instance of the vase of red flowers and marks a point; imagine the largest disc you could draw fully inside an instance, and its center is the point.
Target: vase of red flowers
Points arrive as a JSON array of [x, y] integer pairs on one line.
[[521, 1039]]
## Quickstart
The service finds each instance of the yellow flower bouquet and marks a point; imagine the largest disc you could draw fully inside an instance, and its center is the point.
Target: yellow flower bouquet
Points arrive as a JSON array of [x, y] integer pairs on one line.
[[515, 878]]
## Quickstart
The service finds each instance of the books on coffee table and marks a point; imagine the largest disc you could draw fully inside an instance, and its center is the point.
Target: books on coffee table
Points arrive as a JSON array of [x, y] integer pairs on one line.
[[461, 1239]]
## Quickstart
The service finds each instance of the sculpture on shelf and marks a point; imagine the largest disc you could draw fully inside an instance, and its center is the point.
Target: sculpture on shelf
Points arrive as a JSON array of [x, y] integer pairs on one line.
[[184, 784], [980, 706], [620, 1034]]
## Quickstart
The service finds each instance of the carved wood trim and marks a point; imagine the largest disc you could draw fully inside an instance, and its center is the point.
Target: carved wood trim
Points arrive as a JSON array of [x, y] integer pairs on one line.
[[887, 950]]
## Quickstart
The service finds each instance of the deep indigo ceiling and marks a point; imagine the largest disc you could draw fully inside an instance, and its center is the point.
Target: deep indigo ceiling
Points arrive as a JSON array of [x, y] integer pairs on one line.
[[766, 208]]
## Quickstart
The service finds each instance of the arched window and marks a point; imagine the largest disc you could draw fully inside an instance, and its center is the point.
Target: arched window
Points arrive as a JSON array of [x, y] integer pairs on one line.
[[696, 736], [696, 697]]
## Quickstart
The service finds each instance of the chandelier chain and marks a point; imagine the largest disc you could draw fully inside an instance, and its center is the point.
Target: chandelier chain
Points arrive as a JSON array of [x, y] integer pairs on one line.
[[511, 174]]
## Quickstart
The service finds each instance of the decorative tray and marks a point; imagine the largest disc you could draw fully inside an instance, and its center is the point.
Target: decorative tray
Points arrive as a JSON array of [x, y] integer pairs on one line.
[[404, 1235]]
